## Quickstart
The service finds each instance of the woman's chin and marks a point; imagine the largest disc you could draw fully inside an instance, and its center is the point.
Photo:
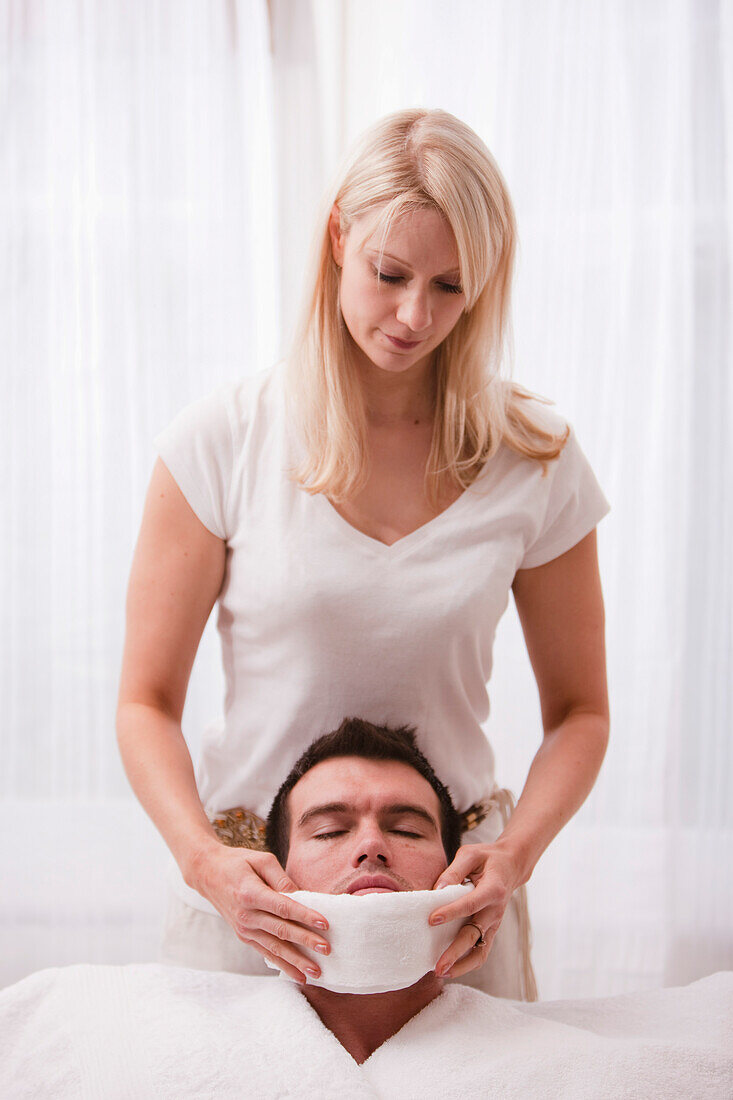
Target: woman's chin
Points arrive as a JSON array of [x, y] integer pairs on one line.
[[391, 361]]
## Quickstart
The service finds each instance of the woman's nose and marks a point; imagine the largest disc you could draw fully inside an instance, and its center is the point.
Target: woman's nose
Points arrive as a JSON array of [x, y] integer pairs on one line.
[[414, 310]]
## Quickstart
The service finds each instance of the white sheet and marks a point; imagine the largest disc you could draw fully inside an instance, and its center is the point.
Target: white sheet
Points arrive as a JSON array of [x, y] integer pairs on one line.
[[164, 1032]]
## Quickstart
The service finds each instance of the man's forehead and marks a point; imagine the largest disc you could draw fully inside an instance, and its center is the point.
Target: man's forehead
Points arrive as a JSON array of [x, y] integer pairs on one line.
[[363, 784]]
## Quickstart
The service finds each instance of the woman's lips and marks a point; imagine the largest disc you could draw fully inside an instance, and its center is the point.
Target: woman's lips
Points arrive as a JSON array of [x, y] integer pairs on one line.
[[404, 344]]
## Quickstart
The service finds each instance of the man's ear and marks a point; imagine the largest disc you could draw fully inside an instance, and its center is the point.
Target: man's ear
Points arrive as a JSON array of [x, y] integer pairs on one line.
[[338, 239]]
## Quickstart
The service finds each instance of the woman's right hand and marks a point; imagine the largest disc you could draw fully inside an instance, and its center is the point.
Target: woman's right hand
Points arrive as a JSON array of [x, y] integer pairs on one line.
[[247, 887]]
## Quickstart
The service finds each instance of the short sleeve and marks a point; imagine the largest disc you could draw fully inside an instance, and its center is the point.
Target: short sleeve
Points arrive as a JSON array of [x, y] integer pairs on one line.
[[575, 504], [198, 449]]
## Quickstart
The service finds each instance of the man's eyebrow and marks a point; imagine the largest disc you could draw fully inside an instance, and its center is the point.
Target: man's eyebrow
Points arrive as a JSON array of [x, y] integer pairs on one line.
[[393, 810], [454, 273], [400, 808], [325, 808]]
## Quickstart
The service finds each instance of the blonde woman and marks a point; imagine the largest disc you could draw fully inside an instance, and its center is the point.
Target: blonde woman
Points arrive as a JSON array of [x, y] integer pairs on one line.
[[361, 512]]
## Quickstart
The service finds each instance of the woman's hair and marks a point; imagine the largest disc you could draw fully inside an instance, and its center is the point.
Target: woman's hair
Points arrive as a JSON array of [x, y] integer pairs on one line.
[[411, 160]]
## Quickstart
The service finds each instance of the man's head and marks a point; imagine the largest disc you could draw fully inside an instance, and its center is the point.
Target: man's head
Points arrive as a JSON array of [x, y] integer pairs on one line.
[[362, 810]]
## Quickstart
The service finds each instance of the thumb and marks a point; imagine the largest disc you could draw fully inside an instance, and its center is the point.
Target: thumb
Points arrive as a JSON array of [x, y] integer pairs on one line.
[[277, 878], [466, 861], [285, 885], [450, 877]]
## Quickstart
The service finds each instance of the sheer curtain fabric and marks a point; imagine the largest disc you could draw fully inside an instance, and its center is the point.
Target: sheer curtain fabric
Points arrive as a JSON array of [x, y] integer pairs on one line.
[[160, 171]]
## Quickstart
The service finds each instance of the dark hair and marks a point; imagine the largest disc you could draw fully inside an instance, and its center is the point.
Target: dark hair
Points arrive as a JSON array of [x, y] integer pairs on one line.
[[357, 737]]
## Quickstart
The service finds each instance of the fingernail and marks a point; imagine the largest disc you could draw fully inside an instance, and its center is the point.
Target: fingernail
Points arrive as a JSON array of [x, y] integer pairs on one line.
[[320, 924], [322, 947], [313, 973], [437, 920]]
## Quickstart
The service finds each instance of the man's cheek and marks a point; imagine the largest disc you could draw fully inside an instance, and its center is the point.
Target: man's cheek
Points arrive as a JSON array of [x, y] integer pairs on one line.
[[308, 871], [323, 872]]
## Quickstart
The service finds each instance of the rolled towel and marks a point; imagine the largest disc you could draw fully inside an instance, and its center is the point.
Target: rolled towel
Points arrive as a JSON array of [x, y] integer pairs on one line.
[[379, 942]]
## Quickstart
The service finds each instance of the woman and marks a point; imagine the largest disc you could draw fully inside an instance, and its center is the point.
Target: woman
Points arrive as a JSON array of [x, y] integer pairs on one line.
[[361, 511]]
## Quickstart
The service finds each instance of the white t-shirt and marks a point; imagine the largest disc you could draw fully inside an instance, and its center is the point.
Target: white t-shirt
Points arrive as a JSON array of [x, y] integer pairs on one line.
[[319, 621]]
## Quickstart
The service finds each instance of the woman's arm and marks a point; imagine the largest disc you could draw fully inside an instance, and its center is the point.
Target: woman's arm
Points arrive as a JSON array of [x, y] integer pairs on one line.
[[560, 607], [177, 574]]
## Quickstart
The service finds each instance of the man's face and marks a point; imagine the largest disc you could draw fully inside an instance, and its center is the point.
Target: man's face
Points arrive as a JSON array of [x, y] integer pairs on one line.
[[364, 826]]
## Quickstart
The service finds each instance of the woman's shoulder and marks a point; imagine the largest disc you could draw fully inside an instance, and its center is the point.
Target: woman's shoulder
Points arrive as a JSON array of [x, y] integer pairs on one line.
[[243, 394], [230, 407], [536, 432], [255, 397], [218, 438], [540, 410]]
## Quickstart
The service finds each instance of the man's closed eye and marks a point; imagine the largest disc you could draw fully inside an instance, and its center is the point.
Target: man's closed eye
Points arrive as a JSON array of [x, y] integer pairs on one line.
[[340, 832]]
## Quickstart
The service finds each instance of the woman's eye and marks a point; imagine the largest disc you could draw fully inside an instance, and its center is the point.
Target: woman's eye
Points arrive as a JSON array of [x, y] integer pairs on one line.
[[449, 287], [387, 278]]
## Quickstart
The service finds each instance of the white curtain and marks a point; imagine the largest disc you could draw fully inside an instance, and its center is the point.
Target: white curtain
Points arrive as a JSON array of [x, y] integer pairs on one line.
[[139, 270], [160, 169]]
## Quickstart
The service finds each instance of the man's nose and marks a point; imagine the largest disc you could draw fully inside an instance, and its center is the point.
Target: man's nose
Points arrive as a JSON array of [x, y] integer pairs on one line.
[[371, 847], [414, 310]]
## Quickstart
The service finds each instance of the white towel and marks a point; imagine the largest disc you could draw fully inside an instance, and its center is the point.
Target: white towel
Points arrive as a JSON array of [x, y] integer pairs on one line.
[[380, 942], [148, 1031]]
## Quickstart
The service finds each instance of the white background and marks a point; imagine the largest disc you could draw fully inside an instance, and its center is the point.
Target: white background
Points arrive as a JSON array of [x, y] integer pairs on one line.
[[160, 166]]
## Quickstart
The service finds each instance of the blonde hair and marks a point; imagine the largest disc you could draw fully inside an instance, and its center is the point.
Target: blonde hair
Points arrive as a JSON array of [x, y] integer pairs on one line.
[[416, 159]]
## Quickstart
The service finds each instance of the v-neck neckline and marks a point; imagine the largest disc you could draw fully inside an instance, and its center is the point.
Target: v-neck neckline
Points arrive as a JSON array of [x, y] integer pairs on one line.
[[405, 542], [400, 1034], [376, 1055]]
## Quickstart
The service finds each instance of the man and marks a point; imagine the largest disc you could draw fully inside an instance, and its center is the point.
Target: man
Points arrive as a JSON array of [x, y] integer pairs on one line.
[[361, 812]]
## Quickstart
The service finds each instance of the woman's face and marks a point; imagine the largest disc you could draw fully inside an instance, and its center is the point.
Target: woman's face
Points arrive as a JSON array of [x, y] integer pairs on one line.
[[418, 298]]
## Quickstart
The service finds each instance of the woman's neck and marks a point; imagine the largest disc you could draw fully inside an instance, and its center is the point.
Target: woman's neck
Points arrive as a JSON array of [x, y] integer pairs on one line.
[[397, 399]]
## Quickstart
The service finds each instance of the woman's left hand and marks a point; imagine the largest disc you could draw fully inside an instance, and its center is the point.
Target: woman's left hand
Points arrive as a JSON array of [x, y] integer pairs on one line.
[[495, 876]]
